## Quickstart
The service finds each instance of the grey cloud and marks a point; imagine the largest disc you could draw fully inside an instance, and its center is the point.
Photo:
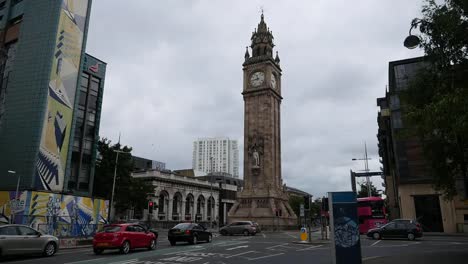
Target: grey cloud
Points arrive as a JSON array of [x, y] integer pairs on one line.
[[175, 74]]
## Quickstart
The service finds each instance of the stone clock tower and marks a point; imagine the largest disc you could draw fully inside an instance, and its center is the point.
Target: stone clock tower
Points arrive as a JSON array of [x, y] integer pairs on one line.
[[263, 198]]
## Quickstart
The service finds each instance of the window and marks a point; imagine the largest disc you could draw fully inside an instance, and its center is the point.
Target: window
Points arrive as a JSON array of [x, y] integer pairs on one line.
[[88, 145], [26, 231], [396, 120], [2, 5], [8, 231], [82, 98], [394, 102], [92, 101]]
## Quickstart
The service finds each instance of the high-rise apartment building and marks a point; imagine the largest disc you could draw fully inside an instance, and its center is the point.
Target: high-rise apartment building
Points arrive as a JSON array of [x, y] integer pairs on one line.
[[50, 96], [216, 155]]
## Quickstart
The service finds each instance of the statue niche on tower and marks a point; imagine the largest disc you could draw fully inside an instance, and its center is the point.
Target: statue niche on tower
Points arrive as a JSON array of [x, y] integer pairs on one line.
[[255, 152]]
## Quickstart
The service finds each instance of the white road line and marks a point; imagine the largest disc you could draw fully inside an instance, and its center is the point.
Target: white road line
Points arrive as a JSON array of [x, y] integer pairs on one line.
[[291, 235], [178, 252], [375, 243], [263, 234], [309, 248], [369, 258], [237, 247], [281, 245], [243, 253], [265, 256], [83, 261], [233, 244], [126, 261]]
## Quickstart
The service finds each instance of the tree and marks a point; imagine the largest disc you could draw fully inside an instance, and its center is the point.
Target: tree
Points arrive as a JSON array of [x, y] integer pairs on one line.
[[130, 193], [363, 190], [437, 100]]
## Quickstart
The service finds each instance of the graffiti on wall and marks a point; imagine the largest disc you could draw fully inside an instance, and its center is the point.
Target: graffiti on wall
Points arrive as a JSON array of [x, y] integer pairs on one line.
[[55, 214], [52, 158]]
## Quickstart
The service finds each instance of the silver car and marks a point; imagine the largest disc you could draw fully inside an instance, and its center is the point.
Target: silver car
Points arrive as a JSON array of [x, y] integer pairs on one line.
[[21, 239], [242, 227]]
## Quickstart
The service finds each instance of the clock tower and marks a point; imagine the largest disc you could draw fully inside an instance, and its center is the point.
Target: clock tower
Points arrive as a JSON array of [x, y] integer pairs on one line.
[[264, 198]]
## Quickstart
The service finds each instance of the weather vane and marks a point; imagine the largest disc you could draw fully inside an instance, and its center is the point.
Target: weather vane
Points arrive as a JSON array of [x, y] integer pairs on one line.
[[261, 9]]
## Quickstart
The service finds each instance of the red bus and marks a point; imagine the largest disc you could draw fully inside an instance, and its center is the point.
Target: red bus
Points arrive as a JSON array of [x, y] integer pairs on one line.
[[371, 213]]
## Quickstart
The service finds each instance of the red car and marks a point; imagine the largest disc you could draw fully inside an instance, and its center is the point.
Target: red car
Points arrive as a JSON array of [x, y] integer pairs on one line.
[[124, 237]]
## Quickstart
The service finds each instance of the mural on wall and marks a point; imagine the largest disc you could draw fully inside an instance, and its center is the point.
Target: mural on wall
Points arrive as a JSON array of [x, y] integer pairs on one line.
[[52, 157], [55, 214]]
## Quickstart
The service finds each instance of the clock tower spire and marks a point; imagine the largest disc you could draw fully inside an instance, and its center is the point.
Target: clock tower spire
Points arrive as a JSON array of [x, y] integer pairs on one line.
[[263, 199]]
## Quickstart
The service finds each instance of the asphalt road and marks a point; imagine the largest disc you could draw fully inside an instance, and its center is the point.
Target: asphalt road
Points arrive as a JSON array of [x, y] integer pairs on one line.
[[268, 248]]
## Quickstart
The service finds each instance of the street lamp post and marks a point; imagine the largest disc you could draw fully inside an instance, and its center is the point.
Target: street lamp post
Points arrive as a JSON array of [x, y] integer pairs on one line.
[[113, 182], [16, 195], [366, 169]]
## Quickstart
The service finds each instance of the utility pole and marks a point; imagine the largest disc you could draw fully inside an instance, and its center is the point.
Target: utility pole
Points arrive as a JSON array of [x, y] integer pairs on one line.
[[366, 169]]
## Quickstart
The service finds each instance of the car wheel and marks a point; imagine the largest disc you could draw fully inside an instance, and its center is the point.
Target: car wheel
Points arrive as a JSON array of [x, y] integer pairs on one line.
[[411, 236], [50, 249], [173, 243], [246, 232], [210, 237], [98, 251], [152, 244], [376, 236], [125, 247], [194, 240]]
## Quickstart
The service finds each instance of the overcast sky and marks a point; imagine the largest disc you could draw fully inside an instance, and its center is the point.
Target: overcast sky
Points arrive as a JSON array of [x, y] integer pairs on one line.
[[174, 74]]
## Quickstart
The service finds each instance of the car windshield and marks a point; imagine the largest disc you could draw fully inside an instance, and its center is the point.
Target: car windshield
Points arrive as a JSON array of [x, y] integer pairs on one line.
[[111, 229], [183, 226]]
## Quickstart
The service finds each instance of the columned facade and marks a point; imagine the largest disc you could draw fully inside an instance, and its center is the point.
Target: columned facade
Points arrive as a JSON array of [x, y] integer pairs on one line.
[[181, 198]]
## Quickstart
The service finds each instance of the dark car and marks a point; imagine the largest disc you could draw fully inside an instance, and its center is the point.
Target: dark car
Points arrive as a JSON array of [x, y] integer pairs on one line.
[[189, 232], [399, 228]]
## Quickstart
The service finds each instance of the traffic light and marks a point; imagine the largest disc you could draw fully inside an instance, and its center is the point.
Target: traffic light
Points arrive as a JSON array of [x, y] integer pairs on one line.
[[150, 207], [325, 204], [306, 201]]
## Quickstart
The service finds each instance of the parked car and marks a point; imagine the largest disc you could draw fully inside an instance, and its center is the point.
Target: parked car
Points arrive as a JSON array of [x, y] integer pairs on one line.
[[123, 237], [399, 228], [21, 239], [242, 227], [189, 232]]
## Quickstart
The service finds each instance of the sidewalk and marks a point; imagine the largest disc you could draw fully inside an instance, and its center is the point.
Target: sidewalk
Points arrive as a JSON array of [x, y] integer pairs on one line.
[[445, 234]]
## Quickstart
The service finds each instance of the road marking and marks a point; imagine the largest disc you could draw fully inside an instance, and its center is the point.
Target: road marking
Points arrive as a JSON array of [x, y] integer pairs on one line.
[[375, 243], [267, 256], [243, 253], [190, 250], [263, 234], [281, 245], [228, 244], [126, 261], [83, 261], [237, 247], [290, 235], [309, 248], [369, 258]]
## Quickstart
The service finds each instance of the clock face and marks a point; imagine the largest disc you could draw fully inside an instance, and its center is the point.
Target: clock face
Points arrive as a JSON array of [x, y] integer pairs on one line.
[[257, 78], [273, 81]]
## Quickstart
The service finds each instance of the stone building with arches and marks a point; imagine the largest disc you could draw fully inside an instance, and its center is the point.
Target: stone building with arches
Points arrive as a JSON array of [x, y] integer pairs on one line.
[[181, 198]]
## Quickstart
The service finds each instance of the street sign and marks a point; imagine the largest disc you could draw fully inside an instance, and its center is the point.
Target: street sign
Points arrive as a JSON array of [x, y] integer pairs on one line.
[[303, 234], [302, 210], [344, 227]]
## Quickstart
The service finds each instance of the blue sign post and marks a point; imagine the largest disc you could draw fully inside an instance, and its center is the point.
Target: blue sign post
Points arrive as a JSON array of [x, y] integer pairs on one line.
[[344, 225]]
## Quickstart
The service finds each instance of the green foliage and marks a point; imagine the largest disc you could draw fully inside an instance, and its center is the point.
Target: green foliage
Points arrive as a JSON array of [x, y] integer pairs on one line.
[[129, 192], [363, 191], [295, 203], [437, 101]]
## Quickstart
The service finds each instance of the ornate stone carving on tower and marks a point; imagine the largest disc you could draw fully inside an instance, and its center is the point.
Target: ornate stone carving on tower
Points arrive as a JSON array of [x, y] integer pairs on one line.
[[263, 198]]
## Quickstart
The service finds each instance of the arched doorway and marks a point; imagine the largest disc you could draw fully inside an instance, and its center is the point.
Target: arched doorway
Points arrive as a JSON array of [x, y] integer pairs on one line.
[[189, 202], [200, 208], [163, 205], [177, 206], [211, 209]]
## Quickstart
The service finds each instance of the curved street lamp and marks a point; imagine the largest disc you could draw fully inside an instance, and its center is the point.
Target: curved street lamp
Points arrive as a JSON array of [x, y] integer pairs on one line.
[[412, 41]]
